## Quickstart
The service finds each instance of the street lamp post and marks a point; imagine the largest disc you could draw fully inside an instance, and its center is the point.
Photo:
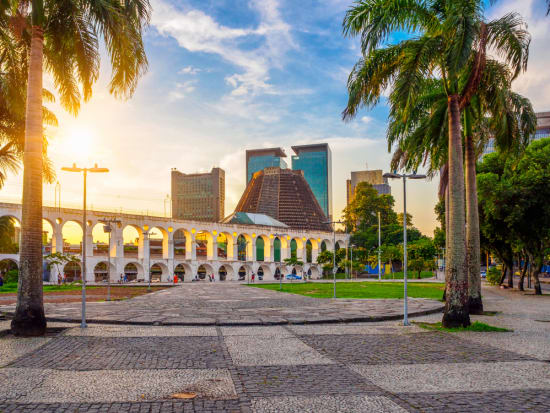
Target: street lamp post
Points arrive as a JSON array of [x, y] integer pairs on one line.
[[351, 255], [379, 245], [85, 171], [107, 227], [334, 254], [395, 175]]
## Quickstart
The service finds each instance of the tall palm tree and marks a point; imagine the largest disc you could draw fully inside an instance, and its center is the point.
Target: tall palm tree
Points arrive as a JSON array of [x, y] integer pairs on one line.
[[494, 112], [14, 51], [447, 37], [64, 41]]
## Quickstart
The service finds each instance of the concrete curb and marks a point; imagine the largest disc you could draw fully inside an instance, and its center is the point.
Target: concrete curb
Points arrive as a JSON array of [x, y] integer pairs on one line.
[[235, 323]]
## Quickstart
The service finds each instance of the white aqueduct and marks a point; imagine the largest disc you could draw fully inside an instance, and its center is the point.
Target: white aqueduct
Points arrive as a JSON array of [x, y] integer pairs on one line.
[[187, 249]]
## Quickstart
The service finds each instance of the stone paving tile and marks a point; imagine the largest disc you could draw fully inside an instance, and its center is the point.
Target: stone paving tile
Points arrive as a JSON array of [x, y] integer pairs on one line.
[[50, 386], [512, 401], [430, 347], [458, 376], [138, 331], [257, 331], [346, 329], [12, 348], [195, 406], [326, 404], [116, 353], [269, 381], [231, 304], [271, 351]]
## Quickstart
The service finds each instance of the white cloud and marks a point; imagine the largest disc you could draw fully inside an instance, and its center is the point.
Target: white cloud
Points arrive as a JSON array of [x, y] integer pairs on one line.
[[189, 70], [197, 32], [367, 119]]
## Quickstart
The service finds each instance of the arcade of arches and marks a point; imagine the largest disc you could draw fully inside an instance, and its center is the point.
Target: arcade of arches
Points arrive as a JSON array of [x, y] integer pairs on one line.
[[164, 248]]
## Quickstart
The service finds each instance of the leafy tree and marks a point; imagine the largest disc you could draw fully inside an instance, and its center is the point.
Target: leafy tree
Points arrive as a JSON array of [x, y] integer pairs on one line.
[[422, 254], [449, 49], [60, 259], [362, 212], [390, 254], [514, 207], [64, 34]]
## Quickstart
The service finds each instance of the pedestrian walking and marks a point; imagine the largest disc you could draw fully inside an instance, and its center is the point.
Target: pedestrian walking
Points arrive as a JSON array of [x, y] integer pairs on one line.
[[253, 275]]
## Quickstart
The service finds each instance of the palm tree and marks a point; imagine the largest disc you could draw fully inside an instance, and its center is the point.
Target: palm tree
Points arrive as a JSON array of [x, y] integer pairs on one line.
[[448, 42], [494, 112], [14, 51], [64, 40]]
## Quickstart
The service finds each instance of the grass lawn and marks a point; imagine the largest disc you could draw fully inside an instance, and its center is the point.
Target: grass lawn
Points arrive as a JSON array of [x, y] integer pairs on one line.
[[12, 288], [475, 326], [369, 289]]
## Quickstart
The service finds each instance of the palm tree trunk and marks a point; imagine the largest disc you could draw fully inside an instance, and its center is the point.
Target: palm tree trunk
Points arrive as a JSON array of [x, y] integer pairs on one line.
[[456, 305], [29, 317], [475, 305]]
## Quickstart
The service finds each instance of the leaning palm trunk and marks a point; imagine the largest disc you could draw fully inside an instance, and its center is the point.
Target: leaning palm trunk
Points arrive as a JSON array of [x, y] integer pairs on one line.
[[456, 293], [29, 317], [475, 304]]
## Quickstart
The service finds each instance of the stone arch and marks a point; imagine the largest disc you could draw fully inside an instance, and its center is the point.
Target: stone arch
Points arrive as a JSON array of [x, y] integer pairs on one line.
[[101, 272], [100, 240], [244, 247], [11, 246], [314, 272], [224, 241], [72, 272], [182, 241], [204, 270], [48, 236], [158, 241], [309, 251], [266, 272], [242, 271], [277, 249], [326, 244], [8, 265], [228, 272], [133, 271], [204, 245], [183, 271], [293, 248], [132, 239], [159, 271], [72, 233]]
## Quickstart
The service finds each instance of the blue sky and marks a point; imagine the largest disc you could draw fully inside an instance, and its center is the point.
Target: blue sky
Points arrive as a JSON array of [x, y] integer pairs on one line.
[[225, 76]]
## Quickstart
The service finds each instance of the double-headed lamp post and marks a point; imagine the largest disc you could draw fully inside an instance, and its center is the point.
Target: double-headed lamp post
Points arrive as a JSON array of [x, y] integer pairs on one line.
[[395, 175], [333, 223], [85, 171]]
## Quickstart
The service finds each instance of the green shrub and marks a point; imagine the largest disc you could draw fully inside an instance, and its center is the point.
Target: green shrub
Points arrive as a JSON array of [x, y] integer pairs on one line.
[[493, 276], [12, 276]]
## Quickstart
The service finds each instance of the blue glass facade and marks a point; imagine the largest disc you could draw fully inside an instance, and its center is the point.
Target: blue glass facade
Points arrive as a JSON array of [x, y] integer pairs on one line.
[[258, 163], [316, 163]]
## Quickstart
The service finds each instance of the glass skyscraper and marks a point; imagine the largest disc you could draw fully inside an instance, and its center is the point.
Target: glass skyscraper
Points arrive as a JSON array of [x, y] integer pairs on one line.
[[316, 162], [258, 159]]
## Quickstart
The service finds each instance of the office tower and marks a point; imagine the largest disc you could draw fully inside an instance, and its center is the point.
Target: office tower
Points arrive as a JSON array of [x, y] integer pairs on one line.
[[284, 195], [373, 177], [199, 197], [258, 159], [316, 163]]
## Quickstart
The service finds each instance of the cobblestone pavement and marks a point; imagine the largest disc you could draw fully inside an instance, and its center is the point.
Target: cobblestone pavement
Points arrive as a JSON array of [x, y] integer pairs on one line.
[[354, 367], [233, 304]]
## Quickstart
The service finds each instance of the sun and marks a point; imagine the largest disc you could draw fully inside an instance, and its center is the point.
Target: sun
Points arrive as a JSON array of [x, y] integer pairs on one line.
[[80, 143]]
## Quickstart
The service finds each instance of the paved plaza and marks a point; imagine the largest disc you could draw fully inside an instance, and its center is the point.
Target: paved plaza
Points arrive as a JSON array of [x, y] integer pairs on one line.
[[229, 303], [318, 368]]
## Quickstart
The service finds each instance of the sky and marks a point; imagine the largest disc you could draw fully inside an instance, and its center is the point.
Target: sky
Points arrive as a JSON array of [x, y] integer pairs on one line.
[[226, 76]]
